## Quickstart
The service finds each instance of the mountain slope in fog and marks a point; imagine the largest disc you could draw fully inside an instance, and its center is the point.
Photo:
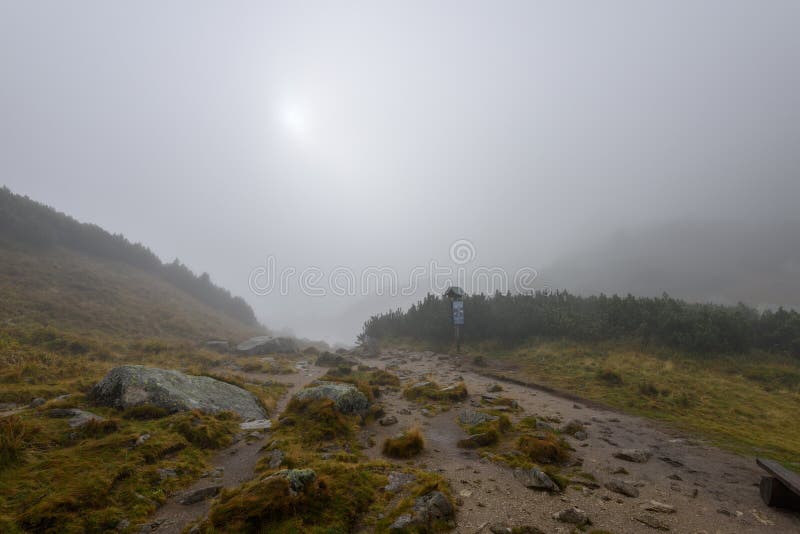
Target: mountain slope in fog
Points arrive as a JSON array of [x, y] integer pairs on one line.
[[758, 264], [56, 271]]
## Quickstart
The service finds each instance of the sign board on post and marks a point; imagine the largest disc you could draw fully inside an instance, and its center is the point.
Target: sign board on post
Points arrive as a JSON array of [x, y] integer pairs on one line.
[[458, 312]]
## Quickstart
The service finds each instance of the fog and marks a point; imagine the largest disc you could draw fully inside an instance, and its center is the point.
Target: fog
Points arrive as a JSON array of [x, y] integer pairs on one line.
[[609, 146]]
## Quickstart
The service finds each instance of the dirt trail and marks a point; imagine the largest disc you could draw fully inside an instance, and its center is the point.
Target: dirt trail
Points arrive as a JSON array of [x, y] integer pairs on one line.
[[233, 465], [712, 491]]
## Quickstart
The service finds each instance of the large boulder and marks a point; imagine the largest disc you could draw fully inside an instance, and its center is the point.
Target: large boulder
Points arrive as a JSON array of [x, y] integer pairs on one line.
[[135, 385], [266, 345], [346, 397]]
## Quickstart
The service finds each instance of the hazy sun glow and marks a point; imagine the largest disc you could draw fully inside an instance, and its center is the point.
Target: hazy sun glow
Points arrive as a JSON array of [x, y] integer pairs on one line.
[[294, 118]]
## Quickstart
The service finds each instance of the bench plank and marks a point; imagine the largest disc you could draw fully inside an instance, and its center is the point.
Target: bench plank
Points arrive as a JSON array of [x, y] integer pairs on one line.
[[790, 480]]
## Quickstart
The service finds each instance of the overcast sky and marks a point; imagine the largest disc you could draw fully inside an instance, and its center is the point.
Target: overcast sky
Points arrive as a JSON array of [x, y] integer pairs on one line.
[[379, 133]]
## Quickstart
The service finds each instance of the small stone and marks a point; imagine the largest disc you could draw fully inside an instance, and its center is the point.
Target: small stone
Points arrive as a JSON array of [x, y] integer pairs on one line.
[[574, 516], [389, 420], [581, 435], [35, 403], [142, 439], [535, 479], [633, 455], [659, 507], [200, 494], [275, 458], [623, 488], [401, 523], [500, 529], [652, 522], [494, 388]]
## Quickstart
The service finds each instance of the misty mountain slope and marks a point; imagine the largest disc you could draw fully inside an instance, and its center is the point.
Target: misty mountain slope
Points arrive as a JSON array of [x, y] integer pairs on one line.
[[57, 272], [726, 263], [30, 225], [66, 290]]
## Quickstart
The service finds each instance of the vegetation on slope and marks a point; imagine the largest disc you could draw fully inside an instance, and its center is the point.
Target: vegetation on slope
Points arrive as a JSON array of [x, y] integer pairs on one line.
[[35, 228], [57, 479]]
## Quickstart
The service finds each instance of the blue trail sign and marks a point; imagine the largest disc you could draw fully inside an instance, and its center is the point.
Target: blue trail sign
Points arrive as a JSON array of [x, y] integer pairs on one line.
[[458, 312]]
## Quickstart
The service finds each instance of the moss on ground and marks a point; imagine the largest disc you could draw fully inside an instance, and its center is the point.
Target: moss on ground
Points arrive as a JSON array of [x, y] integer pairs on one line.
[[54, 478]]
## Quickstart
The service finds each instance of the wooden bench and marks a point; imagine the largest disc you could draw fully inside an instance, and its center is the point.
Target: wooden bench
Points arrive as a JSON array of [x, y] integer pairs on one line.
[[782, 489]]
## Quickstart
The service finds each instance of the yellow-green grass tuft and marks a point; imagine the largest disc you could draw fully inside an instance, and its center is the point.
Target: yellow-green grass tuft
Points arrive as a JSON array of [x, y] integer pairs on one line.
[[405, 445]]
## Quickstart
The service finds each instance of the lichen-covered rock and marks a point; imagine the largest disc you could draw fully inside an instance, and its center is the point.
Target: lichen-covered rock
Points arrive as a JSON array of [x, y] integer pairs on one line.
[[535, 479], [473, 417], [135, 385], [433, 506], [260, 345], [77, 418], [346, 397]]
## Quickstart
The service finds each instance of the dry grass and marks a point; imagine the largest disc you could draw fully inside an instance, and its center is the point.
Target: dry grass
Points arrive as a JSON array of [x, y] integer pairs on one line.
[[747, 405], [405, 445], [431, 391], [546, 448], [14, 434]]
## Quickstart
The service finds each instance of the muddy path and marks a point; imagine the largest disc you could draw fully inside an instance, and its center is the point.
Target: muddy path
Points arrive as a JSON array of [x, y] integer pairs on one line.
[[712, 491], [233, 465]]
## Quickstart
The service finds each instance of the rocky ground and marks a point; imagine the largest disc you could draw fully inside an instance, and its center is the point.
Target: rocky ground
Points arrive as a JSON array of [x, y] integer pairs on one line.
[[231, 466], [684, 485], [644, 478]]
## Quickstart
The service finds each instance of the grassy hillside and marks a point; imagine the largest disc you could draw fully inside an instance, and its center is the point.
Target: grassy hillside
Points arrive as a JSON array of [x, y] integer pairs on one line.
[[70, 291], [41, 230]]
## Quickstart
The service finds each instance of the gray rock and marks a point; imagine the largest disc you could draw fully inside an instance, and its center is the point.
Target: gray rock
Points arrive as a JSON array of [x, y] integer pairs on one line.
[[77, 418], [401, 523], [266, 345], [581, 435], [500, 528], [535, 479], [200, 494], [123, 525], [142, 439], [426, 412], [659, 507], [276, 457], [623, 488], [433, 506], [474, 417], [633, 455], [652, 522], [573, 516], [35, 403], [346, 397], [398, 480], [494, 388], [389, 420], [134, 385]]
